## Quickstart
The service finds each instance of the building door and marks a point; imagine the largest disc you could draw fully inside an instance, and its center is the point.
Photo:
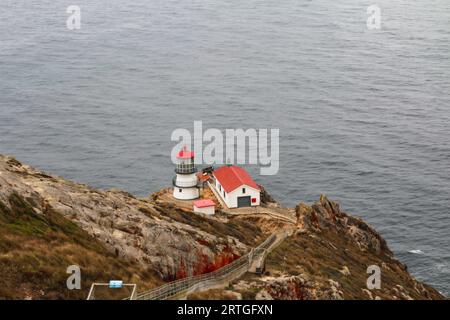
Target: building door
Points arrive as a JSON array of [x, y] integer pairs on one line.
[[244, 201]]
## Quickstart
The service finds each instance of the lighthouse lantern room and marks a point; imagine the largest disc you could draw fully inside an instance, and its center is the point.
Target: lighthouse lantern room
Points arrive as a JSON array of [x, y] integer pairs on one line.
[[185, 183]]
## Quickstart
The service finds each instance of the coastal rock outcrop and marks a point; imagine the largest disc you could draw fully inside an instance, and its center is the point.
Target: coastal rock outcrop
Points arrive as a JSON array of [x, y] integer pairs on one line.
[[135, 229], [328, 257], [48, 223], [326, 214]]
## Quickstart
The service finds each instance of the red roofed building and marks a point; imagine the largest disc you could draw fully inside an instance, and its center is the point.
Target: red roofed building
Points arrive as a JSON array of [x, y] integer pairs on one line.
[[236, 188], [206, 206]]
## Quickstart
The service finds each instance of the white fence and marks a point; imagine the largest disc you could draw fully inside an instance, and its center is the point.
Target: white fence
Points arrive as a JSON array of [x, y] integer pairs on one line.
[[91, 295]]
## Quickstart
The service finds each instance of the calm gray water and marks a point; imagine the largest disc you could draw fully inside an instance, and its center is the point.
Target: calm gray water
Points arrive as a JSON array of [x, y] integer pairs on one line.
[[363, 115]]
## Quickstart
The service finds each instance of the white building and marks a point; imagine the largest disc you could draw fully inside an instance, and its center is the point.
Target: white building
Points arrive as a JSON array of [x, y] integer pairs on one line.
[[236, 188], [185, 184], [205, 206]]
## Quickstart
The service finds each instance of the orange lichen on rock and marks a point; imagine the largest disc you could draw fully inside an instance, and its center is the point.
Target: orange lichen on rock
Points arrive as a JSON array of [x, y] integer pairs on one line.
[[223, 258], [204, 264], [181, 271]]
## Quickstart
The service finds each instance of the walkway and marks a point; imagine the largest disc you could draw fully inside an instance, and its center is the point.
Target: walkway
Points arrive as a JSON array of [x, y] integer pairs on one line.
[[251, 262]]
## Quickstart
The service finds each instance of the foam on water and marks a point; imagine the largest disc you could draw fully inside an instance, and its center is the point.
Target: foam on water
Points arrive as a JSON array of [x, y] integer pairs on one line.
[[416, 251]]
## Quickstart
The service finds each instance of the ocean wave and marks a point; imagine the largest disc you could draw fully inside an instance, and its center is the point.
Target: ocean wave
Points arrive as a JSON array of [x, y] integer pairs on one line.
[[416, 251]]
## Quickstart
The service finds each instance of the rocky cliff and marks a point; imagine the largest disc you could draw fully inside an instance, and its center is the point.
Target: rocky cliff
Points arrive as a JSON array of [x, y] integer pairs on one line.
[[328, 258], [48, 223]]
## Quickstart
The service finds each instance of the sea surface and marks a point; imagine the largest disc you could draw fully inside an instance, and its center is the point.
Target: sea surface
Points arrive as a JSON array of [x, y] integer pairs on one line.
[[363, 114]]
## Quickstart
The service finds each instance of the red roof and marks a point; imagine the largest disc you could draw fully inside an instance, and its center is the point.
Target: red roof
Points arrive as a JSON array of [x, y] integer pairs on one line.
[[203, 203], [185, 154], [232, 177]]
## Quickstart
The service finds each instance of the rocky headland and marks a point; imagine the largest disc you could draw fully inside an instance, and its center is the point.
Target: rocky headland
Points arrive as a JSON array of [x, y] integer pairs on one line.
[[48, 223]]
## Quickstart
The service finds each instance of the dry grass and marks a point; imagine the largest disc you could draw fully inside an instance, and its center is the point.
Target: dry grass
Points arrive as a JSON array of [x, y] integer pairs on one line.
[[317, 257], [36, 249]]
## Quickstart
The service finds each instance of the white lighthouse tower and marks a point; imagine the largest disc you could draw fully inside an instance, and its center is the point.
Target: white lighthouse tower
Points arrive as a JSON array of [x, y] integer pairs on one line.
[[185, 182]]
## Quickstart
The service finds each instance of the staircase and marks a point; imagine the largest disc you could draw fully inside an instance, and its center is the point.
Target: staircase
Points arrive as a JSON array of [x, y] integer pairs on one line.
[[251, 262]]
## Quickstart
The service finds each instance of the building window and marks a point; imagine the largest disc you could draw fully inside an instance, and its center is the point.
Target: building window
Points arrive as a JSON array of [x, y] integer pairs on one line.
[[181, 190], [220, 188], [243, 190], [224, 195]]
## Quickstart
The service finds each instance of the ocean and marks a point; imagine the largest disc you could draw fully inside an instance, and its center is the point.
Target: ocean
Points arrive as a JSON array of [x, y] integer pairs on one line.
[[363, 114]]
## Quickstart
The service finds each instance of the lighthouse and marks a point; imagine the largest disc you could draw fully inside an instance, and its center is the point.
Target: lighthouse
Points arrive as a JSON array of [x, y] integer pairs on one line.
[[185, 182]]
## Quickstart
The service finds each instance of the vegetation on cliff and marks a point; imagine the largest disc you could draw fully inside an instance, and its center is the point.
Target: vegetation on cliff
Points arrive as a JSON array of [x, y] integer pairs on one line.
[[327, 258], [48, 223], [36, 249]]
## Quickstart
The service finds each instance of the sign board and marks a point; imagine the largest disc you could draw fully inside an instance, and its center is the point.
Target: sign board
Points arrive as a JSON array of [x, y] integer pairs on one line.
[[116, 284]]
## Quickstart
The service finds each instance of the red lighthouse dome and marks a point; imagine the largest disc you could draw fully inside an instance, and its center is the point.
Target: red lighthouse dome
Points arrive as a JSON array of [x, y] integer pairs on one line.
[[185, 154], [185, 163]]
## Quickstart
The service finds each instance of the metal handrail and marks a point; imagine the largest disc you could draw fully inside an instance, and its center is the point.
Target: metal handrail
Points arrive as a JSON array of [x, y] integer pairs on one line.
[[235, 268]]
